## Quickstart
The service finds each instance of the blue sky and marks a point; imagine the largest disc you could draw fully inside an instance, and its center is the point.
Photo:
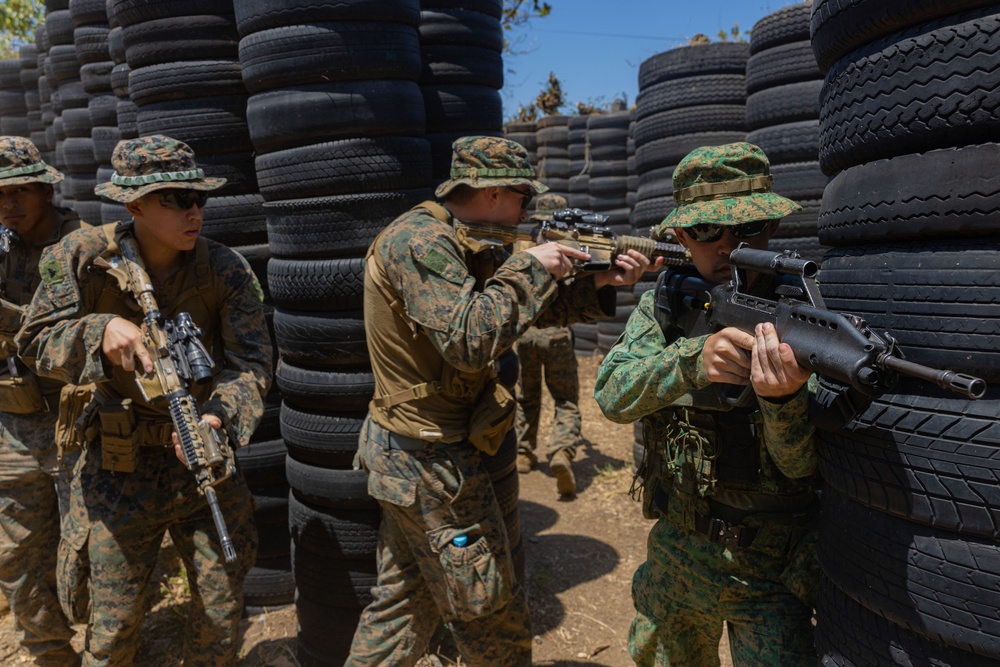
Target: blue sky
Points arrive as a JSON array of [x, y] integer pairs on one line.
[[595, 46]]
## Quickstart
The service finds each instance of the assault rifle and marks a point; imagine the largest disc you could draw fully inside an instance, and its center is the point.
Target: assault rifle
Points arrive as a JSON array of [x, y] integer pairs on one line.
[[8, 237], [179, 358], [839, 346], [577, 229]]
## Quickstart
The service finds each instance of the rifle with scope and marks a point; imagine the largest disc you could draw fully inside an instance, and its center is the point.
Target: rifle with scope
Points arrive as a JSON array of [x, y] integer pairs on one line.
[[578, 229], [838, 346]]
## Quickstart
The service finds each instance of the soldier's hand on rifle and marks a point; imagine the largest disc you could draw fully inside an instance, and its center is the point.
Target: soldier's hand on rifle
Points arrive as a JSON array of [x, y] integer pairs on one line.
[[774, 373], [122, 344], [727, 356], [213, 421], [628, 270], [557, 258]]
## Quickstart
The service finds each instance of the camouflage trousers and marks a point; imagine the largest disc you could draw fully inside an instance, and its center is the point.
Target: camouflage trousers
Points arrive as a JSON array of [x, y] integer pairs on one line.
[[688, 586], [33, 490], [129, 514], [550, 352], [430, 497]]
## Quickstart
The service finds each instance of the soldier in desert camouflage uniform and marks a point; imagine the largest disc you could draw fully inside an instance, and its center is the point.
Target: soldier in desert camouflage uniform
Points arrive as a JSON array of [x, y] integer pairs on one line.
[[81, 328], [732, 489], [439, 311], [549, 350], [33, 486]]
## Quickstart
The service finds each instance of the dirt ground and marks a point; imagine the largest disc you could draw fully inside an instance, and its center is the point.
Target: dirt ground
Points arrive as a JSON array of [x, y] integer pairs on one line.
[[580, 556]]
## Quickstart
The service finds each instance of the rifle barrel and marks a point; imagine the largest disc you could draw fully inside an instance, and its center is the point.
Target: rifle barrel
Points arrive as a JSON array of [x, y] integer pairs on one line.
[[960, 383]]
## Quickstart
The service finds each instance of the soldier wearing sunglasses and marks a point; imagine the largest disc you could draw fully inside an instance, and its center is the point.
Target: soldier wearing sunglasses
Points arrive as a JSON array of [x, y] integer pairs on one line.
[[131, 486], [732, 490]]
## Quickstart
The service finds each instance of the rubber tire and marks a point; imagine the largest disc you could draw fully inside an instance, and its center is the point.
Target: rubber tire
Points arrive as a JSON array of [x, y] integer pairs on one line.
[[328, 439], [330, 340], [318, 390]]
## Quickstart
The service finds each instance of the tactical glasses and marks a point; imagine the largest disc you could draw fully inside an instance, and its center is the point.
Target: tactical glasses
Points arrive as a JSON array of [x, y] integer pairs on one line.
[[706, 233], [182, 200], [526, 197]]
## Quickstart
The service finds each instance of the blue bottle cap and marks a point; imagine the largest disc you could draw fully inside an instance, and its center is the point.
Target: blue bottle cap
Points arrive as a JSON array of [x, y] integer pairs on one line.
[[460, 540]]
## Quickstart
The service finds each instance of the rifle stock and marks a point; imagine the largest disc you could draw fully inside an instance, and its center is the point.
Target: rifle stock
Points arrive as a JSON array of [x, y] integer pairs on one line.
[[178, 358]]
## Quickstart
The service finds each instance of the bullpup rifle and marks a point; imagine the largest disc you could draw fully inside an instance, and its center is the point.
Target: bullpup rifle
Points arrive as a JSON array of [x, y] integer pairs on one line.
[[838, 346], [179, 358], [577, 229]]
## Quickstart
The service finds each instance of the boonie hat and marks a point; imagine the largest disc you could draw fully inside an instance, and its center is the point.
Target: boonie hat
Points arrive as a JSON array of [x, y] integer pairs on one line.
[[488, 162], [548, 204], [725, 185], [152, 163], [20, 162]]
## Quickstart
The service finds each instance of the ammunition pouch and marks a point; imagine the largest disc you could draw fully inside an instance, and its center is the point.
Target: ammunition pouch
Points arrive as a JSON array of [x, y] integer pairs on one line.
[[119, 436], [492, 417], [75, 427], [19, 390]]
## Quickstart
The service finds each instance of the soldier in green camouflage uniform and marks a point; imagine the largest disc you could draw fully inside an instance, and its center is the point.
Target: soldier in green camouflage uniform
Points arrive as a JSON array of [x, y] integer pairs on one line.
[[33, 485], [81, 328], [440, 309], [732, 489], [549, 351]]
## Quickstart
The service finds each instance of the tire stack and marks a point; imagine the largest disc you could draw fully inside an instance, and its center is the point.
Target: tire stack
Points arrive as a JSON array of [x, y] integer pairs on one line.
[[631, 195], [461, 48], [783, 86], [74, 150], [911, 507], [338, 122], [688, 97], [552, 148], [578, 184], [125, 113], [91, 131], [13, 106], [524, 134], [28, 57]]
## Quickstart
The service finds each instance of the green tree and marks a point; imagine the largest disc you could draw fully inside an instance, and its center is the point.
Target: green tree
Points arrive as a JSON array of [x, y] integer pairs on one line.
[[18, 20]]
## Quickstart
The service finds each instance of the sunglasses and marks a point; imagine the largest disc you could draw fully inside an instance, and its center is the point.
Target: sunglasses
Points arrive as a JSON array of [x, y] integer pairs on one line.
[[526, 197], [182, 200], [706, 233]]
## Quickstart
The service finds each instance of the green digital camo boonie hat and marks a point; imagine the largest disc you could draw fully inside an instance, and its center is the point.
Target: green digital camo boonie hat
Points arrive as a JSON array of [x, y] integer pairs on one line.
[[488, 162], [153, 163], [725, 185], [20, 162], [548, 204]]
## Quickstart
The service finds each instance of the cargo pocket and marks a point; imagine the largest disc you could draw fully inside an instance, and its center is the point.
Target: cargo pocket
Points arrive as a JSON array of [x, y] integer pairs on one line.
[[477, 576], [73, 574], [393, 490]]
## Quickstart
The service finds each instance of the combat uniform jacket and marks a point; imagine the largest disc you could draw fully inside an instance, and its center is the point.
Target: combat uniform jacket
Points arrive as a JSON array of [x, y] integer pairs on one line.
[[758, 460], [437, 315], [65, 323], [19, 278]]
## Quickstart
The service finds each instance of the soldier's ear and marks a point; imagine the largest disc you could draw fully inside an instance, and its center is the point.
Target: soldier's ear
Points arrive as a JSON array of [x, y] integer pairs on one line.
[[681, 237], [134, 207]]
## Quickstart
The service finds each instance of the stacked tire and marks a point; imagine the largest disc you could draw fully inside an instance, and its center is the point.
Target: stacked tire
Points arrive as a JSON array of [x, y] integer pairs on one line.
[[783, 86], [461, 49], [73, 148], [688, 97], [578, 185], [552, 149], [13, 104], [28, 57], [337, 119], [911, 508]]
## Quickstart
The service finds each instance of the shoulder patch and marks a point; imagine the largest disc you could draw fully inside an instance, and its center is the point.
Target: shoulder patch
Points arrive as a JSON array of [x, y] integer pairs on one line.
[[52, 273], [435, 260]]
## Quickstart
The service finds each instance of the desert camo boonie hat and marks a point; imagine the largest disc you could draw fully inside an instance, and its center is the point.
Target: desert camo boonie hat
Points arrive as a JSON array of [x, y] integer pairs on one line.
[[20, 162], [152, 163], [725, 185], [548, 204], [488, 162]]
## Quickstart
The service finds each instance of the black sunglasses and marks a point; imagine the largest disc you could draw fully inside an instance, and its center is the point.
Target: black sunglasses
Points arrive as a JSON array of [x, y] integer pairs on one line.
[[707, 233], [182, 200], [527, 197]]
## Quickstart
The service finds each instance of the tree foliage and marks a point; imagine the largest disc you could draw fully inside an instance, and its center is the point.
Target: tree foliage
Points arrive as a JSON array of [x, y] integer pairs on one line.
[[18, 20], [516, 13]]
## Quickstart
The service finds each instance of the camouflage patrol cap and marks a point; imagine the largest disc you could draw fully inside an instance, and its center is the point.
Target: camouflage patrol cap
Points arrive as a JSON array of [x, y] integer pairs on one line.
[[548, 204], [488, 162], [725, 185], [20, 162], [152, 163]]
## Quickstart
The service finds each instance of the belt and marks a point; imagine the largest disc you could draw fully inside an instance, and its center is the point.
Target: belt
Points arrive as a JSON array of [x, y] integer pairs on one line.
[[407, 444], [718, 531]]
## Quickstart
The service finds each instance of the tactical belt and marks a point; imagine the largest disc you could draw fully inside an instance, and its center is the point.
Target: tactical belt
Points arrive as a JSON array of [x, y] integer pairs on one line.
[[406, 444], [717, 530]]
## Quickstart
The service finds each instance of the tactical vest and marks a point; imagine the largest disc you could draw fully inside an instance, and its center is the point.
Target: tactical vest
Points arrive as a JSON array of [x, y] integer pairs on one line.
[[417, 393], [192, 290], [710, 449]]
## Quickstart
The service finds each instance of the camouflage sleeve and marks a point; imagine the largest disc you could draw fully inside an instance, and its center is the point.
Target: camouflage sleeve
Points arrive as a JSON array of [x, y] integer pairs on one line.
[[58, 337], [642, 373], [579, 300], [239, 389], [788, 435], [11, 317], [470, 329]]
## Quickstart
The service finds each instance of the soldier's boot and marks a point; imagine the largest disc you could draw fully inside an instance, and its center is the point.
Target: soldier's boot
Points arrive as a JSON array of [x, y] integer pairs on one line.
[[526, 460], [561, 466]]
